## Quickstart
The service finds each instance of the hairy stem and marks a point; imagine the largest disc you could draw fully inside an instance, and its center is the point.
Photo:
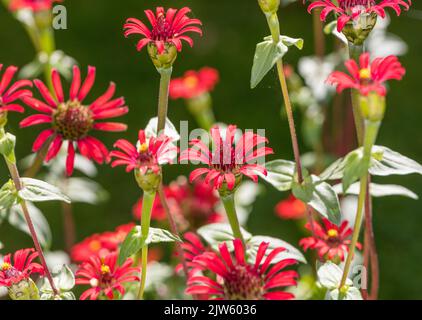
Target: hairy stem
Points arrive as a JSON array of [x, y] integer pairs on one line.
[[14, 173], [229, 205], [370, 136], [319, 38], [147, 203]]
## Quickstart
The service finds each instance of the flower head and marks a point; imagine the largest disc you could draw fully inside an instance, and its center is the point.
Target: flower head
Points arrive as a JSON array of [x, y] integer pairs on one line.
[[192, 247], [10, 94], [105, 277], [33, 5], [100, 244], [228, 161], [291, 208], [330, 241], [368, 77], [236, 279], [22, 266], [72, 120], [148, 154], [169, 28], [194, 83], [353, 10]]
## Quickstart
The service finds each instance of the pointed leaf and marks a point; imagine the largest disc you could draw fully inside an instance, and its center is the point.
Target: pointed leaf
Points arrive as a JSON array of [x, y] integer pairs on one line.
[[217, 233], [156, 235], [39, 191], [280, 174], [379, 190]]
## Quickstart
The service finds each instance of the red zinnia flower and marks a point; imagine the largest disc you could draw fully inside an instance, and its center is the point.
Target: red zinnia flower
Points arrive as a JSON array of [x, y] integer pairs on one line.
[[291, 208], [21, 268], [194, 83], [229, 161], [16, 91], [105, 276], [368, 77], [330, 241], [167, 28], [192, 247], [353, 9], [100, 244], [239, 280], [34, 5], [72, 120], [149, 154]]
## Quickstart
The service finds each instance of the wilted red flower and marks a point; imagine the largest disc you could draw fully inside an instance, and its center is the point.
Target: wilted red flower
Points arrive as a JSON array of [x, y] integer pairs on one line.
[[17, 91], [149, 154], [330, 241], [291, 208], [73, 121], [194, 83], [229, 160], [34, 5], [191, 205], [100, 244], [167, 28], [238, 280], [22, 266], [368, 77], [105, 277], [352, 9]]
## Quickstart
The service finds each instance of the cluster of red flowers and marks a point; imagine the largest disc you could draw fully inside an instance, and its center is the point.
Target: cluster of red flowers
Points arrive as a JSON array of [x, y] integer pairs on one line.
[[13, 271], [192, 206], [330, 241], [193, 84]]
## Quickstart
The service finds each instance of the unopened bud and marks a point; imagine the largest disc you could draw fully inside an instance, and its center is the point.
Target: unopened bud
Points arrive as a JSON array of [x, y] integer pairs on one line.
[[357, 30], [3, 119], [224, 190], [269, 6], [7, 146], [165, 59]]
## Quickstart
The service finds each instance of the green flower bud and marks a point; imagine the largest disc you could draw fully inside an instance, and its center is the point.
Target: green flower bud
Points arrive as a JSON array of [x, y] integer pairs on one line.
[[357, 30], [7, 146], [148, 182], [24, 290], [165, 59], [224, 191], [3, 119], [269, 6]]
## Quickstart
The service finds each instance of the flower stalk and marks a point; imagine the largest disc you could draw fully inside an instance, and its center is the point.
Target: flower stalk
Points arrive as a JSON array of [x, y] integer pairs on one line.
[[147, 203], [229, 205], [371, 132], [163, 97]]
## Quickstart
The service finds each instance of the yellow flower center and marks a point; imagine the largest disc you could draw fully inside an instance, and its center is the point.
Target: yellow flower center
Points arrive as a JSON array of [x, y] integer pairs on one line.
[[190, 82], [365, 73], [105, 269], [6, 266], [143, 148], [332, 233]]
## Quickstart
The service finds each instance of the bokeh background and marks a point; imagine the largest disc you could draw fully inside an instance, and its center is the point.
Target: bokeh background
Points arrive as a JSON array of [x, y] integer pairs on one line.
[[231, 30]]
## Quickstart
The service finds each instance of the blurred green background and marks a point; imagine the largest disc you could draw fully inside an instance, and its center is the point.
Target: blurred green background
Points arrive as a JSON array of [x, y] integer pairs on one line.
[[231, 30]]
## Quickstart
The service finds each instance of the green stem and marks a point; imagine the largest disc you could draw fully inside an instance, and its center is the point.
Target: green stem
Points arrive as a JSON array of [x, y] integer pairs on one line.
[[201, 108], [370, 136], [48, 46], [147, 203], [229, 205], [163, 98], [355, 52]]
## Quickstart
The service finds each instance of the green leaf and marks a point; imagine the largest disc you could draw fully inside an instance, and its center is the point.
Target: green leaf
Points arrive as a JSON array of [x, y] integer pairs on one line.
[[85, 190], [304, 191], [325, 201], [297, 42], [266, 56], [39, 191], [8, 195], [42, 228], [131, 245], [379, 190], [280, 174], [384, 162], [290, 253], [7, 147], [134, 241], [330, 27], [354, 169], [217, 233]]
